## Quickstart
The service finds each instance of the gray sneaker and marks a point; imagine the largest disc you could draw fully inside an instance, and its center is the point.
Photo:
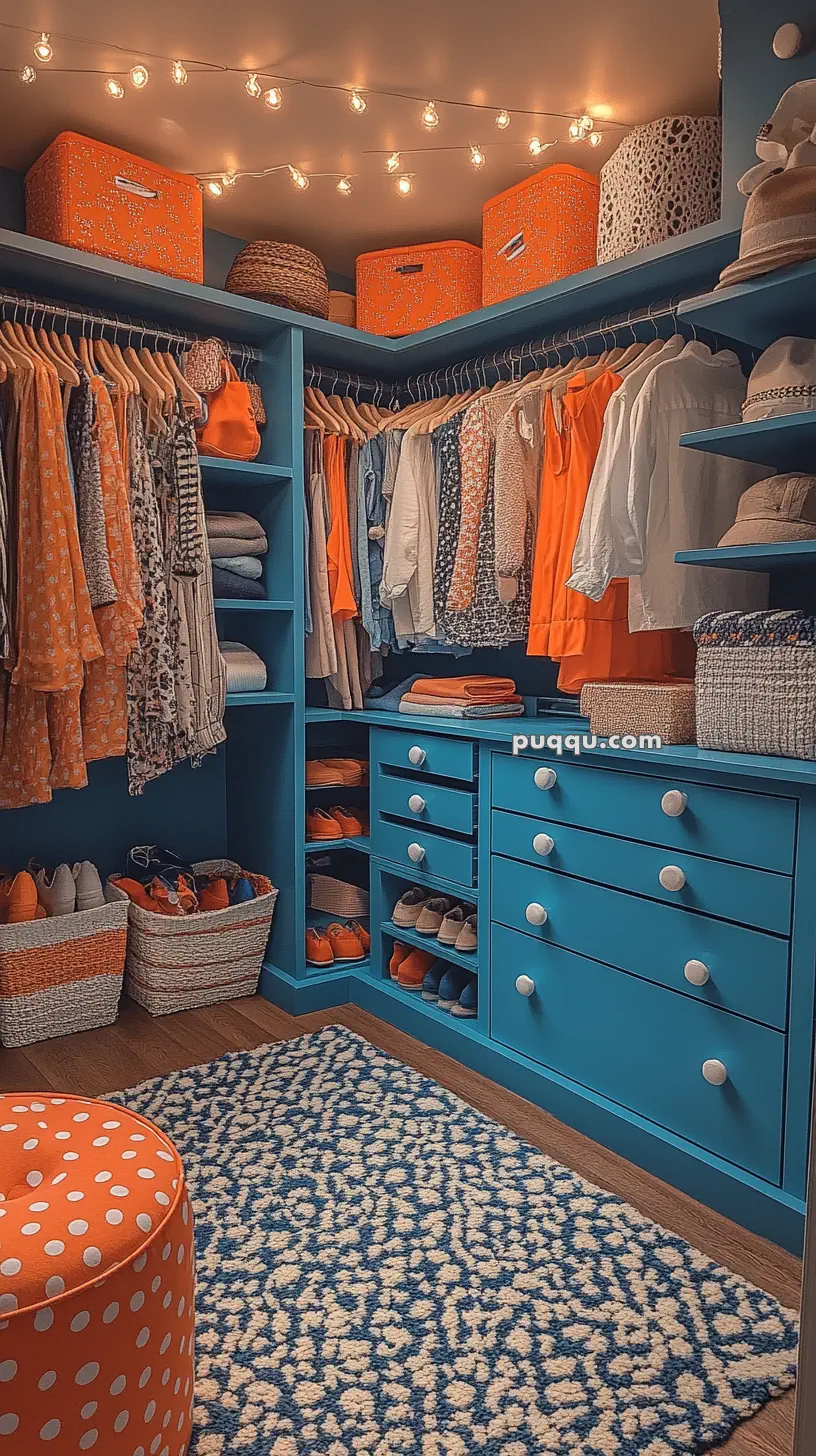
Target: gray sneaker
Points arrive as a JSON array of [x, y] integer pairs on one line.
[[409, 906]]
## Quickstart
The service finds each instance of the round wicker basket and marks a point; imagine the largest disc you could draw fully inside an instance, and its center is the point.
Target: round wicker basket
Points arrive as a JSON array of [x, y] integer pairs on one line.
[[282, 274]]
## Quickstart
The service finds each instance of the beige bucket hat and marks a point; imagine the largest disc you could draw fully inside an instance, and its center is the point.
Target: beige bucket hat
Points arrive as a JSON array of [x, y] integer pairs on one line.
[[783, 380], [779, 226], [781, 508]]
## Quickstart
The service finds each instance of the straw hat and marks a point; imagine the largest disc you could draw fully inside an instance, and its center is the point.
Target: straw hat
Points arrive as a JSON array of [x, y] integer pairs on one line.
[[281, 274], [779, 227], [781, 508], [783, 380]]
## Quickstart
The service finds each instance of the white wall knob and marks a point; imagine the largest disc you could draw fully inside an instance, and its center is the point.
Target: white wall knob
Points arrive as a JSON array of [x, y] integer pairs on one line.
[[544, 778], [672, 877], [674, 803], [416, 756], [788, 41], [416, 853], [416, 804], [535, 914], [543, 844], [525, 986], [715, 1072], [696, 972]]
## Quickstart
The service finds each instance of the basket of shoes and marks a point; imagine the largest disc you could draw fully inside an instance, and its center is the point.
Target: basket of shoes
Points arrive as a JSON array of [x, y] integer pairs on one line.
[[281, 274], [197, 933], [62, 953]]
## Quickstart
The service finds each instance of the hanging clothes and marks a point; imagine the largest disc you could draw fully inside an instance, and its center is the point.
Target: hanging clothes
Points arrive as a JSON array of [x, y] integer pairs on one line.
[[338, 545], [519, 455], [371, 514], [84, 457], [410, 548], [321, 652], [6, 532]]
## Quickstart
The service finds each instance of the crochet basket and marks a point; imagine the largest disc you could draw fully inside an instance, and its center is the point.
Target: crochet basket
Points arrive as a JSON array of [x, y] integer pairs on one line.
[[663, 179], [337, 897], [175, 963], [401, 290], [62, 974], [282, 274], [541, 229], [755, 694], [663, 709]]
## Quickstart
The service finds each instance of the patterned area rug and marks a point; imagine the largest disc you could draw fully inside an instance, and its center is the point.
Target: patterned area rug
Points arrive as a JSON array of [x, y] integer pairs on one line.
[[381, 1269]]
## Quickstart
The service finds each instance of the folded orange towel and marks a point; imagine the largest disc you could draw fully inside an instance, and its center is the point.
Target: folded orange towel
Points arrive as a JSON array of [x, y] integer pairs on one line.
[[466, 689], [484, 702]]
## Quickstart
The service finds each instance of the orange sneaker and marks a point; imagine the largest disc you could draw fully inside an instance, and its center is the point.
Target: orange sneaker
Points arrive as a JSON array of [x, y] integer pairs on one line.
[[134, 890], [350, 825], [215, 895], [321, 825], [318, 949], [399, 954], [411, 973], [319, 775], [362, 934], [345, 944], [18, 899], [349, 769]]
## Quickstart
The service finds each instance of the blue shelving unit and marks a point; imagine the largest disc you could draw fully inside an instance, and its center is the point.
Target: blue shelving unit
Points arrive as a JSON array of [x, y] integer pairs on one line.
[[237, 604], [782, 555], [785, 443], [215, 471], [760, 311]]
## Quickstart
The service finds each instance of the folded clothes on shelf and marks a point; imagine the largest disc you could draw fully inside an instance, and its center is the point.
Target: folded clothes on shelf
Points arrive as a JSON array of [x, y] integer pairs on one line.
[[460, 710], [235, 533], [246, 671], [242, 565], [473, 688], [230, 584], [383, 699], [256, 545]]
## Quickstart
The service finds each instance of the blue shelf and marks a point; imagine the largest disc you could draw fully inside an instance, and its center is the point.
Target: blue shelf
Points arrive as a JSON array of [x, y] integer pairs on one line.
[[785, 554], [215, 471], [468, 960], [239, 604], [785, 443], [360, 842], [760, 311], [326, 715], [468, 1025], [256, 700]]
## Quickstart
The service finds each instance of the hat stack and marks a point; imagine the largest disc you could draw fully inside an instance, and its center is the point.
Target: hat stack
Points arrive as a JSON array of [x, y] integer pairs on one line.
[[282, 274], [781, 508], [783, 381]]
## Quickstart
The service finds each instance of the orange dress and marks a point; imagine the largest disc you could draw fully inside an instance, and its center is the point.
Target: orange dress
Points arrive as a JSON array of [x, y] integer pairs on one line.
[[338, 546]]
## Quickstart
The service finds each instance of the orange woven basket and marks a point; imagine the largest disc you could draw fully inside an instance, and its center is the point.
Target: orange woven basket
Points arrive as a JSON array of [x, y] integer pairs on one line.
[[401, 290], [544, 228]]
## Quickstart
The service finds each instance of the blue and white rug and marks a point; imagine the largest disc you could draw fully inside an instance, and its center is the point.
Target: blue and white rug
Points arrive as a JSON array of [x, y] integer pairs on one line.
[[381, 1269]]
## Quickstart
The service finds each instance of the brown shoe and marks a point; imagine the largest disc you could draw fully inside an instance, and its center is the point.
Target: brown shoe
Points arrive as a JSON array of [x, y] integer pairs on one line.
[[467, 939], [407, 910], [433, 913]]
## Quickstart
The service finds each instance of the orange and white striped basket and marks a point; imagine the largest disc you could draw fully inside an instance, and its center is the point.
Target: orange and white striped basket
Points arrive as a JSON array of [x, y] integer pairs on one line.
[[62, 974]]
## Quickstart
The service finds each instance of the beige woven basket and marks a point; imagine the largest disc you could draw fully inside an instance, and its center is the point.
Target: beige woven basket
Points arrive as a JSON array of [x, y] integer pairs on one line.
[[337, 897], [342, 308], [281, 274], [62, 974], [177, 963]]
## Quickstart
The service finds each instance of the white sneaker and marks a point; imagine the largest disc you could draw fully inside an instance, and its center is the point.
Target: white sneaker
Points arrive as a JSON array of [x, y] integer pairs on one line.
[[57, 892], [89, 892]]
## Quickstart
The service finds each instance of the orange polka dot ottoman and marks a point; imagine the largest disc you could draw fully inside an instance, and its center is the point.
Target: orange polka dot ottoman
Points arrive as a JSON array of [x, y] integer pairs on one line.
[[97, 1279]]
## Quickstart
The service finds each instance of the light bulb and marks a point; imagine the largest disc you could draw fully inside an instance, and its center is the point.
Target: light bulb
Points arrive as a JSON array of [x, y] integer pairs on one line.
[[114, 88], [392, 163], [229, 179], [595, 139], [344, 187], [43, 49], [273, 98], [28, 75], [503, 119], [139, 77], [214, 188], [357, 102], [575, 131], [405, 185], [586, 123], [535, 146], [430, 116], [477, 157], [179, 73], [252, 86], [300, 180]]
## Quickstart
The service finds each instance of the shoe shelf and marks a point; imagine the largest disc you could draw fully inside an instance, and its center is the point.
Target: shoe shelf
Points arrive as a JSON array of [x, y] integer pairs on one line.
[[318, 920], [467, 1025], [785, 443], [411, 876], [215, 471], [360, 842], [468, 960]]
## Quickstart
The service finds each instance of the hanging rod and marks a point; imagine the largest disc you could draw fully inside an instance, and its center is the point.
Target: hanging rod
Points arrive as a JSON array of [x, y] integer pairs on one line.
[[30, 307], [329, 379]]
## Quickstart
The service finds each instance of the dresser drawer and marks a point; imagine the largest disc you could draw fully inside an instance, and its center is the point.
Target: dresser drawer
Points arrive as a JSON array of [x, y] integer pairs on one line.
[[427, 803], [747, 970], [729, 824], [450, 859], [425, 753], [733, 892], [643, 1047]]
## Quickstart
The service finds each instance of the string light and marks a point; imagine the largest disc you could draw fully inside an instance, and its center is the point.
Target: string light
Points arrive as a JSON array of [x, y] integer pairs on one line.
[[405, 185], [114, 88], [139, 77], [214, 188], [503, 120], [392, 163], [344, 187], [586, 123], [28, 75], [273, 98], [44, 50], [299, 178], [252, 86], [477, 157], [430, 116], [581, 129], [595, 139], [179, 73], [574, 131], [229, 179], [357, 103], [535, 146]]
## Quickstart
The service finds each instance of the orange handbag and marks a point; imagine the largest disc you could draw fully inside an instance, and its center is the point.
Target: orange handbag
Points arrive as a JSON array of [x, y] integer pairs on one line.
[[229, 429]]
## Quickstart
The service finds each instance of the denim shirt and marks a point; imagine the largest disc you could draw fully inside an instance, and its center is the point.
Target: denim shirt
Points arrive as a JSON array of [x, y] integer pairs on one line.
[[371, 513]]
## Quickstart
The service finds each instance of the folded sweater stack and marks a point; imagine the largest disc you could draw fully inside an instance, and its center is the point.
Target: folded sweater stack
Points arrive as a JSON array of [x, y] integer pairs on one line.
[[236, 542], [476, 696]]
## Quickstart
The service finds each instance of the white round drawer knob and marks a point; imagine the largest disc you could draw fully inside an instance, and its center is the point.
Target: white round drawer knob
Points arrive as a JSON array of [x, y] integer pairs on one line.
[[416, 756], [416, 804], [696, 972], [674, 803], [416, 853], [544, 778], [672, 877], [525, 986], [543, 844], [715, 1072], [535, 914]]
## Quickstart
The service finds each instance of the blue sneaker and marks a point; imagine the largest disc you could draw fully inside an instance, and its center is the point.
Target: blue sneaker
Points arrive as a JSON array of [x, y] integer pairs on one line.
[[242, 890], [468, 1003], [433, 976], [451, 986]]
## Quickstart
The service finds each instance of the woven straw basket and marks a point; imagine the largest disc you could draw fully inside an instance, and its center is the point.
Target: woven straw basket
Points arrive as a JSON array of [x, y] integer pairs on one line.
[[177, 962], [342, 308], [336, 897], [282, 274], [62, 974]]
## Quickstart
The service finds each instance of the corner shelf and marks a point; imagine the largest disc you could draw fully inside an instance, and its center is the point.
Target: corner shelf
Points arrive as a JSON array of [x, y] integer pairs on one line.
[[216, 471], [760, 311], [241, 604], [255, 700], [787, 442], [765, 557], [325, 715], [468, 960], [360, 842]]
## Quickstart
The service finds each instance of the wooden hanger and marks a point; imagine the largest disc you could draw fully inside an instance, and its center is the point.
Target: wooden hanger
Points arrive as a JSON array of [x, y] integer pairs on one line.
[[334, 422], [343, 406], [160, 379], [23, 358], [189, 398], [153, 395], [109, 367], [63, 366], [134, 388], [66, 346]]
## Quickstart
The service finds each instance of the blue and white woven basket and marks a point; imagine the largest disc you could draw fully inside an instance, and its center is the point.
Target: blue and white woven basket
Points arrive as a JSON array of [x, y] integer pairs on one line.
[[755, 683]]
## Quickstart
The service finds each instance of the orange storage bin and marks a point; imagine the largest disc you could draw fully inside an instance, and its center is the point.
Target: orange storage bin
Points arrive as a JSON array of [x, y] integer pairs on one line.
[[544, 228], [87, 195], [401, 290]]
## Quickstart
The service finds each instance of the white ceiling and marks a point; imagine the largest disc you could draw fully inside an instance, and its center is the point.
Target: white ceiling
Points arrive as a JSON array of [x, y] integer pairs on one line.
[[623, 60]]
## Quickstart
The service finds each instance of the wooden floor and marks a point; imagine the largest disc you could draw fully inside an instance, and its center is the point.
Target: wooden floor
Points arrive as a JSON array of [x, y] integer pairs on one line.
[[137, 1047]]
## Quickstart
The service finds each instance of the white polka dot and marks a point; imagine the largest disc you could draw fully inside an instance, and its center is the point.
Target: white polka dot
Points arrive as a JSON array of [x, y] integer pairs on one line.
[[142, 1337], [47, 1380], [101, 1142], [30, 1144], [89, 1410], [9, 1424], [38, 1107], [155, 1444], [69, 1158], [167, 1251], [144, 1222], [137, 1137], [88, 1373], [114, 1216], [140, 1451], [88, 1440], [19, 1108], [150, 1411], [177, 1387], [38, 1207], [146, 1173], [166, 1375], [165, 1344], [118, 1385], [92, 1256], [30, 1228], [61, 1177], [185, 1213], [166, 1418], [166, 1157], [9, 1127], [50, 1430], [54, 1247], [75, 1197], [34, 1178], [180, 1307], [156, 1285], [180, 1254], [8, 1303], [131, 1153], [57, 1101], [43, 1320], [108, 1125], [168, 1300], [103, 1177], [8, 1370], [140, 1263], [54, 1286], [110, 1313], [10, 1267], [43, 1125], [80, 1321], [119, 1191], [77, 1226], [121, 1421], [62, 1137], [137, 1300], [80, 1117], [145, 1376], [162, 1198]]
